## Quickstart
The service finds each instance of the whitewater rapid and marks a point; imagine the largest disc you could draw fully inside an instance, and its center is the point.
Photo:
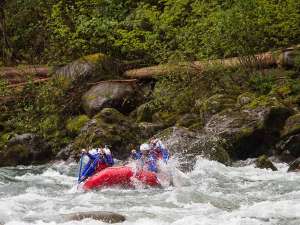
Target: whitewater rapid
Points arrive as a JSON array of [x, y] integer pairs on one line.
[[211, 194]]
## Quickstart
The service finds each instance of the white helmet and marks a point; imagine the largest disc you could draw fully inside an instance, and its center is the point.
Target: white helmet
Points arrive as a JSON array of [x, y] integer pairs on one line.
[[145, 147], [93, 151]]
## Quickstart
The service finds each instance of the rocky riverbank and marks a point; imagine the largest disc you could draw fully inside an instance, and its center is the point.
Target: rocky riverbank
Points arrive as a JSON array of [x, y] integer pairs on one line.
[[222, 111]]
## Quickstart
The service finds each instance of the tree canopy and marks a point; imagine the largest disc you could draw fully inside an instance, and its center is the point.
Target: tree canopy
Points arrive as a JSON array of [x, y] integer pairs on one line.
[[152, 31]]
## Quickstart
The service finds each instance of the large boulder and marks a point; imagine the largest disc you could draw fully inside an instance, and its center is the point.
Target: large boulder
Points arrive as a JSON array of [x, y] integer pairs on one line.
[[145, 111], [108, 127], [213, 105], [119, 95], [288, 149], [190, 120], [150, 129], [249, 131], [187, 145], [88, 68], [292, 125], [25, 149]]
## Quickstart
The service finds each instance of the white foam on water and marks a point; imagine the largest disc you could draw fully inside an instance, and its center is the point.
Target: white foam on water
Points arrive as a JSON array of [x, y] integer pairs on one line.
[[211, 194]]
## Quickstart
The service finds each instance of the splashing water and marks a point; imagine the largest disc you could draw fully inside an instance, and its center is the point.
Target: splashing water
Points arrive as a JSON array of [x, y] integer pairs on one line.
[[210, 194]]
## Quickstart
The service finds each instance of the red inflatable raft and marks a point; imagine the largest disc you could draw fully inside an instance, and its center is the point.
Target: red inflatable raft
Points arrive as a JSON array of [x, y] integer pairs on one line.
[[119, 176]]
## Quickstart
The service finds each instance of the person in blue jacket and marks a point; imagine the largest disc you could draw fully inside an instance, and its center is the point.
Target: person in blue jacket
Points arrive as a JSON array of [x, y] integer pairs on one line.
[[149, 154], [99, 159]]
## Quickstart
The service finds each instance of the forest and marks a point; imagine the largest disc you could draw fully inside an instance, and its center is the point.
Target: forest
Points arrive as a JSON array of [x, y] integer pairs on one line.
[[146, 32]]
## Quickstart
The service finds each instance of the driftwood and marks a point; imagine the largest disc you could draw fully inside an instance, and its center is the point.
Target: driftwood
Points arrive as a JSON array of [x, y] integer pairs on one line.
[[264, 60]]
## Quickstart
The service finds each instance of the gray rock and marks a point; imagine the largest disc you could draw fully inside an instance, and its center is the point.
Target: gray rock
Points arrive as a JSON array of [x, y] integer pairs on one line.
[[107, 217], [188, 120], [289, 146], [107, 127], [292, 125], [119, 95], [187, 145], [88, 68], [149, 129], [250, 132], [26, 149]]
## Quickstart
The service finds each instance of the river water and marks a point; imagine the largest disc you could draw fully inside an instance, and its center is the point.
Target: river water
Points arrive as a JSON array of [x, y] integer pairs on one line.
[[210, 194]]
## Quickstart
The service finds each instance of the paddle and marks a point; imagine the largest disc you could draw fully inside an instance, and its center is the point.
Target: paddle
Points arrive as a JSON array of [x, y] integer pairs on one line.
[[80, 168]]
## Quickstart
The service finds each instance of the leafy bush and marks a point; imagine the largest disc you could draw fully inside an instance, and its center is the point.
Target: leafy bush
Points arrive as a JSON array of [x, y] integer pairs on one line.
[[150, 31], [261, 83], [75, 124]]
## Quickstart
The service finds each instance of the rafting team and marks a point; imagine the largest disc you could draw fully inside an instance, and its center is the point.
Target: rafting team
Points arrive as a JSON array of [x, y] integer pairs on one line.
[[147, 156]]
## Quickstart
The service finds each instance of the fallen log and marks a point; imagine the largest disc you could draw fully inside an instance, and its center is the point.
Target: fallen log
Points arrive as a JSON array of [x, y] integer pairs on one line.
[[8, 72], [264, 60]]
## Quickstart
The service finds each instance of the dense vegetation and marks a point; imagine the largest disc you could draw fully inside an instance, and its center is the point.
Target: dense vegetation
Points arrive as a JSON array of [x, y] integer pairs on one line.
[[141, 33], [54, 31]]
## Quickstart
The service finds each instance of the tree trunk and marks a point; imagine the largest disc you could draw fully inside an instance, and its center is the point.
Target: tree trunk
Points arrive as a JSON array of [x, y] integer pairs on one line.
[[6, 48]]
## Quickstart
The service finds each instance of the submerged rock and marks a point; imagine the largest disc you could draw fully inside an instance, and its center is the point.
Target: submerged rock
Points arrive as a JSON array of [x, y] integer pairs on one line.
[[26, 149], [107, 217], [264, 163], [119, 95]]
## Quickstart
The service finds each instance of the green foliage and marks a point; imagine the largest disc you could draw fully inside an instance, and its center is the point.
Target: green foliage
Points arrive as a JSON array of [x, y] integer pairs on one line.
[[75, 124], [150, 31], [40, 109], [174, 93], [261, 83], [4, 90]]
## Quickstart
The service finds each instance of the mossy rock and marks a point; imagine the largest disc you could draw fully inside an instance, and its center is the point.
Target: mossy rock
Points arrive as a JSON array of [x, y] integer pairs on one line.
[[75, 124], [108, 127], [282, 91], [167, 118], [90, 68], [189, 120], [213, 105], [15, 155], [149, 129], [264, 163], [4, 139], [292, 125], [262, 101], [120, 95], [25, 149], [145, 112], [245, 98]]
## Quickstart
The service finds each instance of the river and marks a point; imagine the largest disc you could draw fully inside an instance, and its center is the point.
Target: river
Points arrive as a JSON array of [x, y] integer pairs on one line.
[[210, 194]]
